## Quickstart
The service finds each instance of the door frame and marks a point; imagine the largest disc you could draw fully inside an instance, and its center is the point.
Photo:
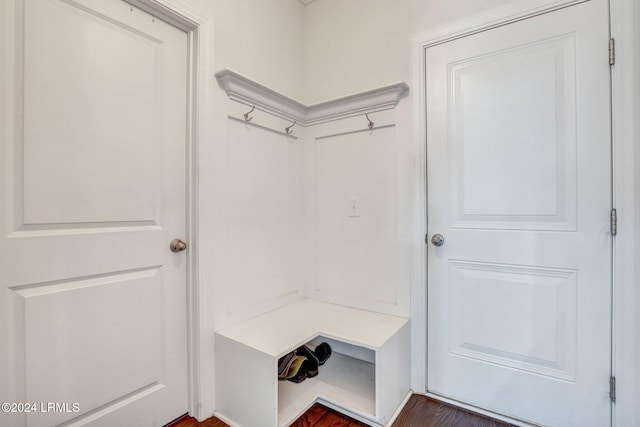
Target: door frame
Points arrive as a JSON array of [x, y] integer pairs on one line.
[[625, 93], [200, 32]]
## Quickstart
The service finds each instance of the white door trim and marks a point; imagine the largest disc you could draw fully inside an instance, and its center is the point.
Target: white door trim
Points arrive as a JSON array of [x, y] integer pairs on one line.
[[626, 95], [199, 28], [625, 28]]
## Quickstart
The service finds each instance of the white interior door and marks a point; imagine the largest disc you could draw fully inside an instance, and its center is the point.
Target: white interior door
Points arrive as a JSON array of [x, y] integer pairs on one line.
[[92, 301], [519, 186]]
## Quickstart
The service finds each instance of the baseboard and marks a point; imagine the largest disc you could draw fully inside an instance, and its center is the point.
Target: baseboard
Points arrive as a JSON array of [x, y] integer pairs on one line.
[[400, 408], [225, 420]]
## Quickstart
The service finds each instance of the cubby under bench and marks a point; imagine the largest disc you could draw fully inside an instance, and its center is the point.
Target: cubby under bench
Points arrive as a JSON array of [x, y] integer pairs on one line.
[[367, 377]]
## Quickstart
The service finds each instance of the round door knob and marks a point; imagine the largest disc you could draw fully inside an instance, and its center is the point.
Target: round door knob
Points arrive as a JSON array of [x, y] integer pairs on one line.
[[177, 245], [437, 240]]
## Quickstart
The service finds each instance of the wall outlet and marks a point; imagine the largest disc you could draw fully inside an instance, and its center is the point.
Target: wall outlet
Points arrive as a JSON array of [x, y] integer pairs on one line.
[[354, 208]]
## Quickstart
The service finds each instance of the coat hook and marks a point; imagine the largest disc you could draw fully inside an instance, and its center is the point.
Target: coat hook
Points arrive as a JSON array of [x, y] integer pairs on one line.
[[370, 125], [288, 129], [246, 115]]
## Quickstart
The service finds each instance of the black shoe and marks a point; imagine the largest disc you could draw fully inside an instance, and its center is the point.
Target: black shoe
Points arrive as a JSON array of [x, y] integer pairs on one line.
[[322, 353], [311, 364]]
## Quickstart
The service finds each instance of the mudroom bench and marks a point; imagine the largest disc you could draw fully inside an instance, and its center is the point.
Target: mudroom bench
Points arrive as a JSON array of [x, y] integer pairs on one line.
[[367, 376]]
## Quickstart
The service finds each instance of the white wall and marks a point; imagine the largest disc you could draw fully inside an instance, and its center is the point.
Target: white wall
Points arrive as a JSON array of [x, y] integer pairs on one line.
[[243, 175], [354, 45], [244, 240], [361, 261], [262, 39], [260, 257]]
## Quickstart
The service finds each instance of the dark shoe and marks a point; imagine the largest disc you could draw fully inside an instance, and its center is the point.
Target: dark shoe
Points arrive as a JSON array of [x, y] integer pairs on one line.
[[311, 364], [297, 373], [284, 364], [322, 353]]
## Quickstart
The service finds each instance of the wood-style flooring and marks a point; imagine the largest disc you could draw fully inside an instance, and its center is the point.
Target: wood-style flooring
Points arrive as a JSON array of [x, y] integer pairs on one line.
[[420, 411]]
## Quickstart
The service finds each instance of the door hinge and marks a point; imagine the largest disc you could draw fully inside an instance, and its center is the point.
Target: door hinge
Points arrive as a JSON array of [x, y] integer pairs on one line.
[[612, 51], [614, 222], [612, 388]]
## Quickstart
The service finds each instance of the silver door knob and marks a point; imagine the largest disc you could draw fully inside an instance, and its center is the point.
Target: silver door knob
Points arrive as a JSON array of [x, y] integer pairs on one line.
[[177, 245], [437, 240]]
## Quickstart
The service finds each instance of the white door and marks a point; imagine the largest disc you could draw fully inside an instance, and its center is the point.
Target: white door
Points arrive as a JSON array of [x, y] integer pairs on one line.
[[519, 186], [93, 140]]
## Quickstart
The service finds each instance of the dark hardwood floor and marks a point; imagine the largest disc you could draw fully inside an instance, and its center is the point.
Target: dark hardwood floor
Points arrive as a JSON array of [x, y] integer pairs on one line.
[[420, 411], [187, 421], [320, 416]]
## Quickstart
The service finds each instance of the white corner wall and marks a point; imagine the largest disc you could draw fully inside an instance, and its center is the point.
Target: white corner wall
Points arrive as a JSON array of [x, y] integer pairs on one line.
[[262, 39], [249, 192], [240, 241]]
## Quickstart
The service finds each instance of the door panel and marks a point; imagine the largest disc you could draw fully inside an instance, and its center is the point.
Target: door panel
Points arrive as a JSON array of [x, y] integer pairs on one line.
[[112, 144], [94, 149], [525, 156], [519, 184], [514, 299]]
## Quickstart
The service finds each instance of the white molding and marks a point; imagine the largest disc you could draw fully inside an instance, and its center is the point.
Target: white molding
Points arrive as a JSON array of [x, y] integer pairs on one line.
[[180, 13], [515, 11], [378, 99], [247, 91], [199, 28], [419, 210], [625, 28]]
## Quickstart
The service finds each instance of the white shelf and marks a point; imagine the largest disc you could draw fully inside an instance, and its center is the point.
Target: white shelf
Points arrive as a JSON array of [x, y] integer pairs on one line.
[[242, 89], [343, 381], [280, 331], [367, 376]]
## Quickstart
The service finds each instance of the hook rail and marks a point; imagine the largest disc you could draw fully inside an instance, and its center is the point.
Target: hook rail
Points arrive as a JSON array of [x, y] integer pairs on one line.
[[259, 126]]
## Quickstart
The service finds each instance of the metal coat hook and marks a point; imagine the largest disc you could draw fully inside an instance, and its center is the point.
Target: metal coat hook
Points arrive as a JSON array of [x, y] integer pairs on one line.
[[288, 129], [246, 115], [370, 125]]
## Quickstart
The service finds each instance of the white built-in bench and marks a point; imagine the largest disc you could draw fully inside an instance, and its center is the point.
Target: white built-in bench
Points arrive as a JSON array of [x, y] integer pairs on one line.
[[367, 376]]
